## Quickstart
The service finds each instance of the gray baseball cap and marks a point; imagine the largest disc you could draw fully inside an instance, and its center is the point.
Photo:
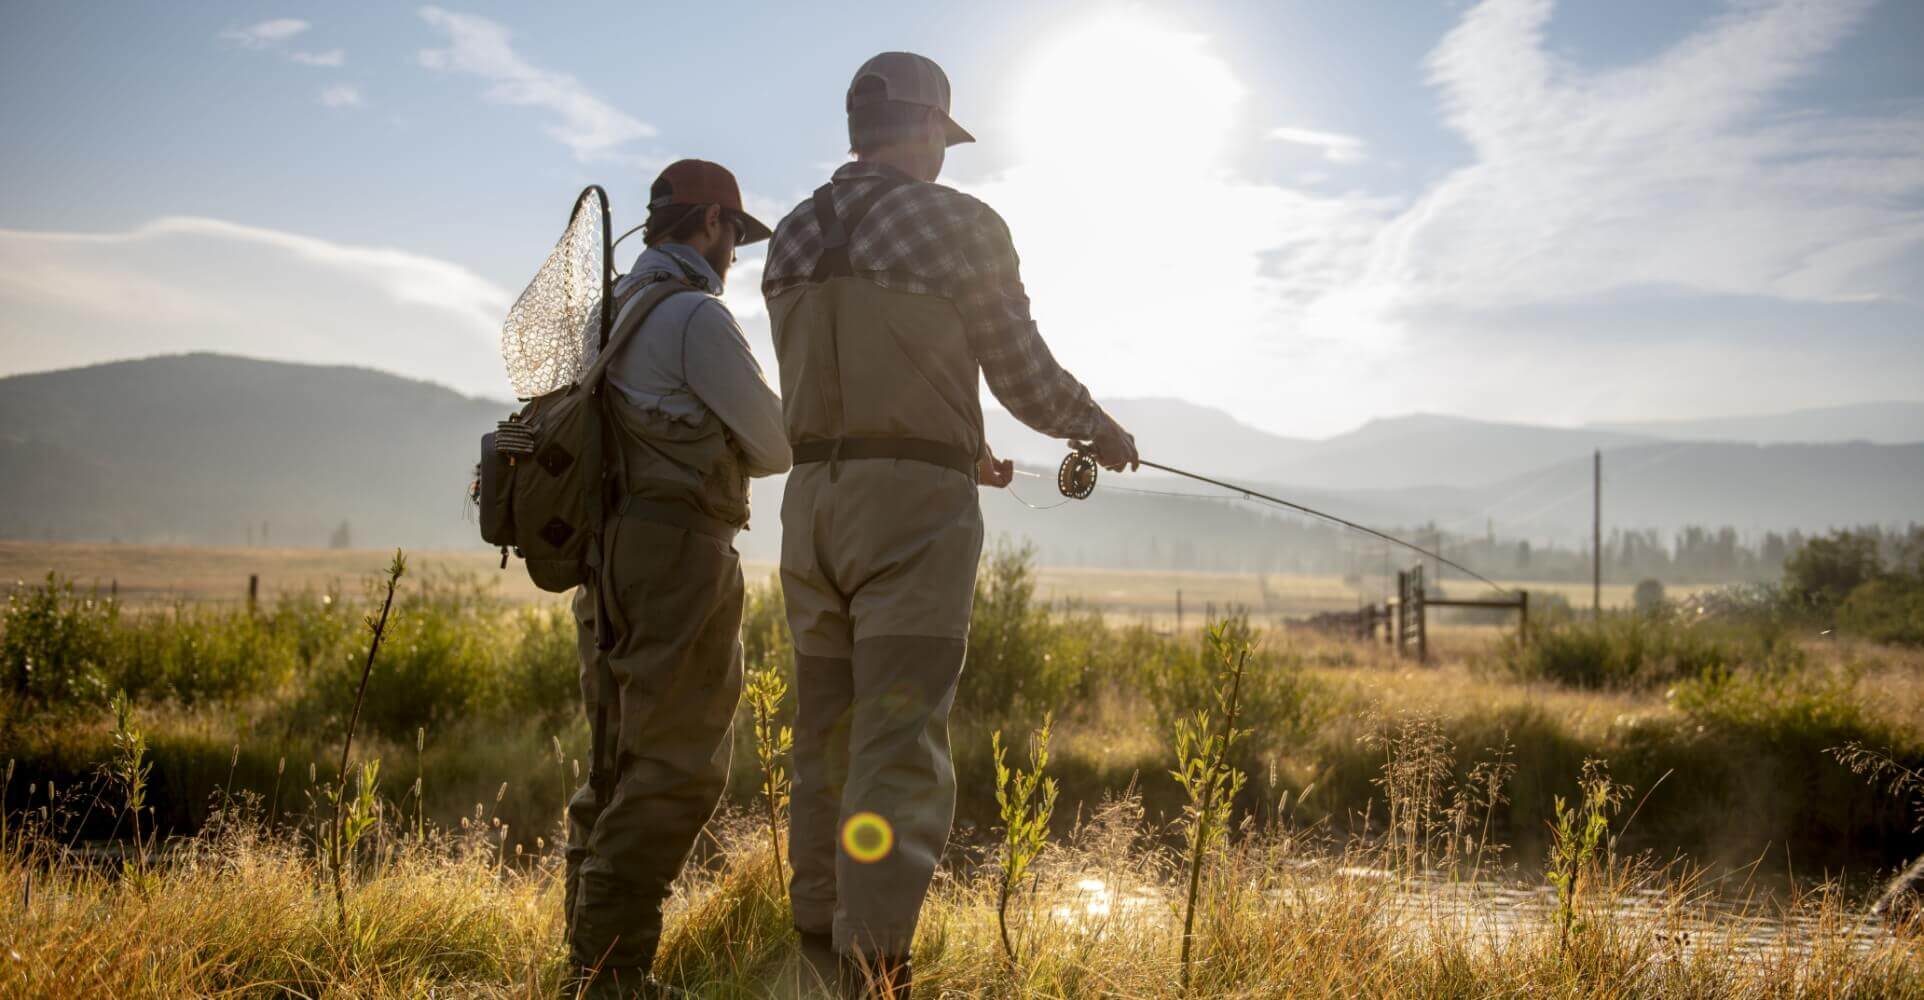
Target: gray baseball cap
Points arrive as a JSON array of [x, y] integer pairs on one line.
[[908, 79]]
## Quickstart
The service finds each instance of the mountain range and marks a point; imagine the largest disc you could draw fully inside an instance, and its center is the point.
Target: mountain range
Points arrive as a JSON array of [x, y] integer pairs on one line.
[[224, 450]]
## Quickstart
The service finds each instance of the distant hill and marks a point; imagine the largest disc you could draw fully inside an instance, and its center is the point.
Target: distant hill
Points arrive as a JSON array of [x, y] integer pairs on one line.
[[214, 449], [1389, 454], [208, 448], [1668, 485], [1878, 423], [1431, 450], [1172, 431]]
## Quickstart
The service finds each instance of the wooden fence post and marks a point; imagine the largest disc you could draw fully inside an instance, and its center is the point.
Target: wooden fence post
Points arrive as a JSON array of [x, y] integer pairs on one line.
[[1523, 620], [253, 591], [1422, 626], [1403, 608]]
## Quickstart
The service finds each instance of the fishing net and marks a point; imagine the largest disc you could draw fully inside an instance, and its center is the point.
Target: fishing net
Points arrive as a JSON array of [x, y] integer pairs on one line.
[[554, 330]]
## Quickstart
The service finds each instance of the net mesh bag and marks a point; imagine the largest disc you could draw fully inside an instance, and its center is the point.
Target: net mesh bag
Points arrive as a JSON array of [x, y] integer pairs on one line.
[[553, 332]]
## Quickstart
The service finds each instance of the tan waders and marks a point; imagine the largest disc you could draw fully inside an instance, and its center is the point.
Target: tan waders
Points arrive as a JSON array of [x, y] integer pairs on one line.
[[661, 697], [881, 530]]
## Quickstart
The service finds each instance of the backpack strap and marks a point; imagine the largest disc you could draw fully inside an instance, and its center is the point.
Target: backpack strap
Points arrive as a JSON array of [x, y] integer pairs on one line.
[[633, 313]]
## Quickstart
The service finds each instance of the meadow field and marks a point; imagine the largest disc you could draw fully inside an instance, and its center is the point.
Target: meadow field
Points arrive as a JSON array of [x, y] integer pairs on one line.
[[1695, 800], [159, 574]]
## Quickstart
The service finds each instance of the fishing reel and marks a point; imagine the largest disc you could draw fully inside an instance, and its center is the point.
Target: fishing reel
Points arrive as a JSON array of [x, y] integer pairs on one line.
[[1076, 477]]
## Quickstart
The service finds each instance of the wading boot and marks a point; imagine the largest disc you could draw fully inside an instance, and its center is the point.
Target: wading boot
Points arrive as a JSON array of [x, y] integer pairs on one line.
[[821, 970]]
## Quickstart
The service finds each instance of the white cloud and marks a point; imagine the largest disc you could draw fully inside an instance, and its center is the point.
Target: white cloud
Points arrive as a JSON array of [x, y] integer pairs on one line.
[[265, 33], [1335, 146], [330, 58], [189, 283], [1308, 311], [589, 126], [1680, 171], [342, 95]]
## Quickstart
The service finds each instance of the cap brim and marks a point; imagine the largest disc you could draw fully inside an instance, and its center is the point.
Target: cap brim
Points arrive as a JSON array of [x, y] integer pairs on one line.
[[752, 229], [955, 134]]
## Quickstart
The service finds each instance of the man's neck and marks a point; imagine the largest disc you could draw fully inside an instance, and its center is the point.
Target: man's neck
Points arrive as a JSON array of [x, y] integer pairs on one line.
[[694, 264], [894, 159]]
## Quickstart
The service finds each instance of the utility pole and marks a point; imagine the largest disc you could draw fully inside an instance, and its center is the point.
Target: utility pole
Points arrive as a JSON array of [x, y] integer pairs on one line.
[[1596, 536]]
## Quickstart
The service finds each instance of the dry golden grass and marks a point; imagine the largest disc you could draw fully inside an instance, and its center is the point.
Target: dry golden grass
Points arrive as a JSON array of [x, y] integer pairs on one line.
[[236, 915]]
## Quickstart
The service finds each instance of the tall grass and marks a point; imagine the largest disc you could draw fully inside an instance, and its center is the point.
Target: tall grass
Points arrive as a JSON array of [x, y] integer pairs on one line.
[[479, 692], [1148, 861], [239, 912]]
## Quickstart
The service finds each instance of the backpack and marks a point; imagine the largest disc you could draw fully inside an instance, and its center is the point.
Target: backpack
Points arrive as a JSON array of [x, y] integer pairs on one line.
[[542, 481]]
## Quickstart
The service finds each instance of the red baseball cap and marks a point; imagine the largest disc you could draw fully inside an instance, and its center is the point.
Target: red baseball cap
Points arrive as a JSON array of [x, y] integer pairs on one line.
[[699, 182]]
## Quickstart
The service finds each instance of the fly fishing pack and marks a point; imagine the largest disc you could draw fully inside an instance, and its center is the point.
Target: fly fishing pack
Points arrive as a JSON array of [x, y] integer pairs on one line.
[[541, 483]]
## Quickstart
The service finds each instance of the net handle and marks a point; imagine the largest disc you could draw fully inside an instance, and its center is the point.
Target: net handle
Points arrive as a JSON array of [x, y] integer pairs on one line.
[[607, 256]]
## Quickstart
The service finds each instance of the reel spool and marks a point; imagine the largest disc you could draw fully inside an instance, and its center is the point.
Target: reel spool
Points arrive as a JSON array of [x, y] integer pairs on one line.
[[1077, 476]]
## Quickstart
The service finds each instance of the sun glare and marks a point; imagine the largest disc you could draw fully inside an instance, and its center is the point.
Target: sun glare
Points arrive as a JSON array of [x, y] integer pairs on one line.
[[1124, 94], [1125, 130]]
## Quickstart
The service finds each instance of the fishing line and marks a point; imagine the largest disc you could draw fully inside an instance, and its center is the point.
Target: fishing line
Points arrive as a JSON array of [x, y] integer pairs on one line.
[[1078, 474], [1325, 515], [1169, 493], [1018, 497]]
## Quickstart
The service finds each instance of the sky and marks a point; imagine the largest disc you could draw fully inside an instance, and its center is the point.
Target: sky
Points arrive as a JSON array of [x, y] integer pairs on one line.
[[1307, 214]]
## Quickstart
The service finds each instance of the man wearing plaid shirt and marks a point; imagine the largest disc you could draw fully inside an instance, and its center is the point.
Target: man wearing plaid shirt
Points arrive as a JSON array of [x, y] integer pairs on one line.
[[891, 298]]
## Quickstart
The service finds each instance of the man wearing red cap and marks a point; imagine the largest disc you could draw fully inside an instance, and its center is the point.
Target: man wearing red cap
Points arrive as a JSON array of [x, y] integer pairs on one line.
[[891, 297], [692, 420]]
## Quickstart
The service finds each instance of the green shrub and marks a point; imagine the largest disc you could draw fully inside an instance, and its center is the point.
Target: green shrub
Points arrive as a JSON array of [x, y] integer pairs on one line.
[[1779, 707], [201, 654], [1181, 676], [438, 664], [765, 640], [1639, 651], [542, 678], [1826, 570], [1886, 610], [1013, 671], [55, 644]]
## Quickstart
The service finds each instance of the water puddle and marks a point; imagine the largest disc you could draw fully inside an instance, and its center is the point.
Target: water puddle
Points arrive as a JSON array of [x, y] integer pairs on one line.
[[1496, 913]]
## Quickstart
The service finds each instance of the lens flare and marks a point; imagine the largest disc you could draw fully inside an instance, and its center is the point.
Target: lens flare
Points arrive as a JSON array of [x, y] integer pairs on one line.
[[867, 837]]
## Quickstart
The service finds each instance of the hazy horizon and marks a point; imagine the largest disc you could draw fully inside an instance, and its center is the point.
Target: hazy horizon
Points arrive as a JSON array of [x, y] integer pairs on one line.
[[991, 406]]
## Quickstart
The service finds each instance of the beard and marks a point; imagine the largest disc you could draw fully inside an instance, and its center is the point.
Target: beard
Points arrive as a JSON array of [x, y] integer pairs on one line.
[[719, 258]]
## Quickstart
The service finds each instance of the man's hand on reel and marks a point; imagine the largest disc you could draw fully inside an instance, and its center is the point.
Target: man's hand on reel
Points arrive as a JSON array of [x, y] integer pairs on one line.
[[1113, 447]]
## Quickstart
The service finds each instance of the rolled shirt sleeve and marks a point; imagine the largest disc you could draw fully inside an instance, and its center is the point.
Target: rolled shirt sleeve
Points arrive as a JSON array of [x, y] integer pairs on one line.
[[722, 372], [1016, 363]]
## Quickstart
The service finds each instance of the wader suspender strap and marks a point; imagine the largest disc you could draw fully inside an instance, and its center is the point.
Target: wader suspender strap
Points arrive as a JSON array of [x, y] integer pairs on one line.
[[834, 263], [601, 772]]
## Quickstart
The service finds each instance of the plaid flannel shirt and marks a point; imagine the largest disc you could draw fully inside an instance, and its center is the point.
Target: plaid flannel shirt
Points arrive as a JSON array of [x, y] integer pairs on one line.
[[933, 240]]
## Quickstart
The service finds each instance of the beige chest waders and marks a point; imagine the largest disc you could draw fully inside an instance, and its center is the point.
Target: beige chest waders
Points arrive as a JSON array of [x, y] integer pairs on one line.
[[659, 638], [881, 532]]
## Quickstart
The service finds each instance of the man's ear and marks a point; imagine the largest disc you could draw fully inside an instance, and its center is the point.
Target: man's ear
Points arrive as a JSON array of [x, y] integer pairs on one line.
[[714, 219]]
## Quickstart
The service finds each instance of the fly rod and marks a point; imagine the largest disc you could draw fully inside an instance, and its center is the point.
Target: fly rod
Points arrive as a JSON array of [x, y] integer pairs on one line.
[[1077, 480]]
